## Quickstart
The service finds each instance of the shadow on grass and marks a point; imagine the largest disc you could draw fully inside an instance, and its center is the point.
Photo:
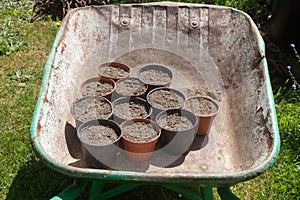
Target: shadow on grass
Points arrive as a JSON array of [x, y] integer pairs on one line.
[[37, 181]]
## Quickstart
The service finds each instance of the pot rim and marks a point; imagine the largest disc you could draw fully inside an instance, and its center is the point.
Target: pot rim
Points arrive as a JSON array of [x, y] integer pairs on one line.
[[172, 111], [100, 122], [170, 89], [86, 97], [155, 66], [204, 97], [148, 121], [127, 68], [95, 79]]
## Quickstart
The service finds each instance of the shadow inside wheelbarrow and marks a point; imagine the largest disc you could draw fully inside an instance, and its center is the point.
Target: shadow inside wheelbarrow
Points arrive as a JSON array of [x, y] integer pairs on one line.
[[160, 158]]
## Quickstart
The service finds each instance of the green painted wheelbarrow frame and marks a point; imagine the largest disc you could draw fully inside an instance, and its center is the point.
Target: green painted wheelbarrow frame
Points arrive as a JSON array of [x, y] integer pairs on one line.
[[129, 179]]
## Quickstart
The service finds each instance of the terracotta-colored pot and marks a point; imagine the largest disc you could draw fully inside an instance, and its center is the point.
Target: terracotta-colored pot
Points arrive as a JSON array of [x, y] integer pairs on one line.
[[139, 151], [94, 93], [102, 67], [132, 91], [205, 120]]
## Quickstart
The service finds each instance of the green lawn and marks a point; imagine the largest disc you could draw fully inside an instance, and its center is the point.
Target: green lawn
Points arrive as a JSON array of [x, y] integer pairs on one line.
[[24, 48]]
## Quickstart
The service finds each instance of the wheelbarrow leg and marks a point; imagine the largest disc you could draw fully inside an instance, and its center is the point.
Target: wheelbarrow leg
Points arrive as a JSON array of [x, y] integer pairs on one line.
[[226, 194], [184, 192], [72, 192], [114, 191], [207, 193], [96, 189]]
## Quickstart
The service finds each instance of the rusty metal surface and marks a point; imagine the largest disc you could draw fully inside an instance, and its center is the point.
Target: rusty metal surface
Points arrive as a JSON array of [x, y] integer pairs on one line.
[[216, 47]]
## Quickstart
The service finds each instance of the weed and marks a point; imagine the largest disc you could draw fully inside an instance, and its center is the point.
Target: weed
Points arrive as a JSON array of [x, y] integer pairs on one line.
[[10, 41], [13, 17]]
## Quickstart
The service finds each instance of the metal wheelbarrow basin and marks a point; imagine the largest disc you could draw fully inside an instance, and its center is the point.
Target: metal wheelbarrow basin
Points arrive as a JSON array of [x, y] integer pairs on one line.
[[212, 47]]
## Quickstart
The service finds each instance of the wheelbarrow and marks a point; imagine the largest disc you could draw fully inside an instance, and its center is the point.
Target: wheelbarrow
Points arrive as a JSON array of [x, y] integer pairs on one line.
[[206, 46]]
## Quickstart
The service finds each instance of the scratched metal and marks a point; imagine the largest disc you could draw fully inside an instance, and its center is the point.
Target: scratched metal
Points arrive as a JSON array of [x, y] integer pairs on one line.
[[195, 41]]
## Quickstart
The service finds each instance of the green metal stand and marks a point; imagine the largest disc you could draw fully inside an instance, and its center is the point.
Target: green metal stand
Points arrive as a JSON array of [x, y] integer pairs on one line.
[[72, 192], [112, 192], [184, 192], [97, 188], [225, 193], [207, 193], [97, 193]]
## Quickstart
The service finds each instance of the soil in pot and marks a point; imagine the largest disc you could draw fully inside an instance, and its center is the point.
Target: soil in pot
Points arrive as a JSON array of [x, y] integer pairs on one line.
[[97, 87], [113, 70], [201, 106], [165, 99], [155, 75], [130, 110], [139, 132], [139, 138], [91, 107], [178, 130], [175, 122], [98, 135], [99, 142], [131, 87], [126, 108], [206, 110]]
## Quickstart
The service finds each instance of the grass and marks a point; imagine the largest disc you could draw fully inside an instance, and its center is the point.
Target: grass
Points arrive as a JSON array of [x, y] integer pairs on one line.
[[22, 176], [24, 48]]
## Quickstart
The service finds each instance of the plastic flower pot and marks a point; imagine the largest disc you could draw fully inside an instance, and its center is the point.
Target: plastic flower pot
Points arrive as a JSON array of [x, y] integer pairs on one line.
[[178, 130], [89, 108], [139, 139], [126, 108], [130, 87], [155, 75], [163, 98], [98, 86], [99, 142], [205, 109], [113, 70]]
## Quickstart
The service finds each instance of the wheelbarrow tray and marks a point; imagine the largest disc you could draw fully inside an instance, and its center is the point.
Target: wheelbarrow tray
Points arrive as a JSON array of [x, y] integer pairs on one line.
[[222, 44]]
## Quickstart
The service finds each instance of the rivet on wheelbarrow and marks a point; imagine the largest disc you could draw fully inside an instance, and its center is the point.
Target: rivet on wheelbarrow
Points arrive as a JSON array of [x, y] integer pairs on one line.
[[194, 23], [125, 22]]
